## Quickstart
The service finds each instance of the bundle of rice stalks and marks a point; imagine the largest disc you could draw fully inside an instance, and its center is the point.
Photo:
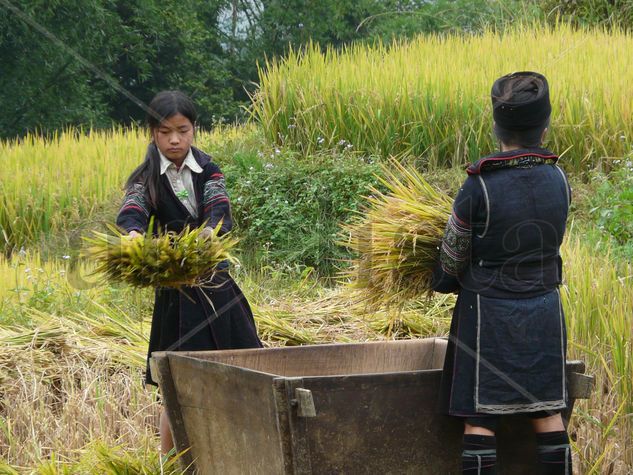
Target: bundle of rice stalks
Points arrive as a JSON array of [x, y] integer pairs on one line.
[[396, 238], [165, 260], [419, 319], [109, 339], [294, 321]]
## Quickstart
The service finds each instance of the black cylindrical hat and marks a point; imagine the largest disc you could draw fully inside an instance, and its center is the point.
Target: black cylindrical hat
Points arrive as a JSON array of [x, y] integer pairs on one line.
[[511, 113]]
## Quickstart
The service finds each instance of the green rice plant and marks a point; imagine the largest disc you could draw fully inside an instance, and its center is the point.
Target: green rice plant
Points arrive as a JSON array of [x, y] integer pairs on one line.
[[166, 260], [74, 180], [396, 239], [598, 303], [430, 97], [117, 461], [46, 184], [99, 458], [6, 469], [61, 286]]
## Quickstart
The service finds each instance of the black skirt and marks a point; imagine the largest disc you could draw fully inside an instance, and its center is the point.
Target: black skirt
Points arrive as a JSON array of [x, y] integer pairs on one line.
[[216, 317], [505, 356]]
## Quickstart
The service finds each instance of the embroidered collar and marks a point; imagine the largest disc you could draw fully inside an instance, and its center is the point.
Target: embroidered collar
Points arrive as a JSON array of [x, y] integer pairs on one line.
[[189, 162], [522, 158]]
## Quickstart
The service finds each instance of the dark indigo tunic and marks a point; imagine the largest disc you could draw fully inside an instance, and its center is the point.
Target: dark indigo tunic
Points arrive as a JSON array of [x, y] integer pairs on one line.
[[191, 319], [500, 252]]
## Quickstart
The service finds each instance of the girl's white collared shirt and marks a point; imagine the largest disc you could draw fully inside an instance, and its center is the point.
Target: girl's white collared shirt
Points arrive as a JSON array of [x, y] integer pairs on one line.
[[181, 181]]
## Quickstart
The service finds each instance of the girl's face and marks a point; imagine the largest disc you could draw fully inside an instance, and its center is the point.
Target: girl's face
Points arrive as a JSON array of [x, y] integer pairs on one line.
[[174, 137]]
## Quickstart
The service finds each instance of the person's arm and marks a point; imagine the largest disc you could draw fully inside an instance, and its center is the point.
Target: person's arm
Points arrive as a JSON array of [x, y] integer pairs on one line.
[[216, 206], [133, 216], [455, 249]]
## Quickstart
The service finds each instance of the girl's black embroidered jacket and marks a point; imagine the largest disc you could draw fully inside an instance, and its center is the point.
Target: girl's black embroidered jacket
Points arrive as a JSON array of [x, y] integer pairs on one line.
[[170, 213], [193, 318]]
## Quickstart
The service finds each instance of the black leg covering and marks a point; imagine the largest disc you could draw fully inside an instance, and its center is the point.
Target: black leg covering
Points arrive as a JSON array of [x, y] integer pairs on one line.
[[480, 454], [554, 453]]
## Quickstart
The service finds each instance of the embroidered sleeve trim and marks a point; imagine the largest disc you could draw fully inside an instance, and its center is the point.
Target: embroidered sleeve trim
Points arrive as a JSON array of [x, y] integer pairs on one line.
[[135, 200], [455, 249], [214, 191]]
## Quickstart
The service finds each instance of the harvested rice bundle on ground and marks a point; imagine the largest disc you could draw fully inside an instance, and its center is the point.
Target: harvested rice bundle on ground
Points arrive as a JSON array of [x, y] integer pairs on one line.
[[167, 260], [397, 239]]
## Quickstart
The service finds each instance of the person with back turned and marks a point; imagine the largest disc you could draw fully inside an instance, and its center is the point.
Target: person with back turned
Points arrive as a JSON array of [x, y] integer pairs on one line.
[[500, 252]]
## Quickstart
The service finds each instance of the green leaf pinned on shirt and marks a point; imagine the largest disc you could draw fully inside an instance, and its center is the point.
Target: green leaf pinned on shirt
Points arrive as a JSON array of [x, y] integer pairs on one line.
[[183, 195]]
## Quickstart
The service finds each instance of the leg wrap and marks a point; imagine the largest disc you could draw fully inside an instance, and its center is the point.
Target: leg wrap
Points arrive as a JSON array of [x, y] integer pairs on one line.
[[554, 453], [479, 455]]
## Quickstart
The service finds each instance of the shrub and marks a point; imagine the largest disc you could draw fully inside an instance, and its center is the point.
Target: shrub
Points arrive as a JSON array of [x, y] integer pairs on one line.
[[612, 207], [288, 211]]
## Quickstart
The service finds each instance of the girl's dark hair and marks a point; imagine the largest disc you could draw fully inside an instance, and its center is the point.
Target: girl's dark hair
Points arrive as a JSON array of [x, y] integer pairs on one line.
[[164, 105], [530, 138]]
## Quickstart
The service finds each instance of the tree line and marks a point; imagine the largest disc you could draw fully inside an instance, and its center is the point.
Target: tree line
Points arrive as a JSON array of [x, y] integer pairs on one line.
[[97, 62]]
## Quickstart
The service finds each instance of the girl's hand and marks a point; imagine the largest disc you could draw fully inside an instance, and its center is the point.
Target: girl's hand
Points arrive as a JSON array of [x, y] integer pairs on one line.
[[134, 234], [206, 232]]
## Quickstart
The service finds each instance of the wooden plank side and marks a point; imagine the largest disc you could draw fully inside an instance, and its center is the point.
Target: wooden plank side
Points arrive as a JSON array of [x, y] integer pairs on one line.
[[389, 423], [284, 408], [580, 385], [333, 359], [440, 345], [161, 372], [385, 422], [301, 459], [230, 416]]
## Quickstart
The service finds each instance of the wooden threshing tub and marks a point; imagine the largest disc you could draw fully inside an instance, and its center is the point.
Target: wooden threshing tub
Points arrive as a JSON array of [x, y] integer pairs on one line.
[[326, 409]]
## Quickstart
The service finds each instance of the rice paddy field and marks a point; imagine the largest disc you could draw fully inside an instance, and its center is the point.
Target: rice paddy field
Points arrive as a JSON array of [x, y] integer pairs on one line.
[[72, 349], [429, 98]]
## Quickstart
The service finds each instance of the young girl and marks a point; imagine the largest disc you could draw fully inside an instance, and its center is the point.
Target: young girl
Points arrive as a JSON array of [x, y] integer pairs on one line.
[[500, 251], [179, 185]]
